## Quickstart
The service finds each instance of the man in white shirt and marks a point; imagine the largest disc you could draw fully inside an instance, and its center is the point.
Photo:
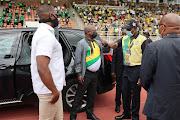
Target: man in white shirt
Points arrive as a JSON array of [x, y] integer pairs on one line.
[[62, 7], [47, 66], [117, 13], [127, 11], [90, 14], [58, 8], [108, 25], [123, 12], [96, 8]]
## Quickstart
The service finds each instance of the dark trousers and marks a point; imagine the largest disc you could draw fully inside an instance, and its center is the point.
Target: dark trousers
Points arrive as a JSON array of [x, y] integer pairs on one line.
[[131, 91], [118, 90], [90, 84], [21, 22], [148, 118]]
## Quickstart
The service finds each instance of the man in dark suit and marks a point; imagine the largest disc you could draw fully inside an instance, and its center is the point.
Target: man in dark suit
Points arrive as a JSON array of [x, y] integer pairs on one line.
[[160, 72], [116, 72]]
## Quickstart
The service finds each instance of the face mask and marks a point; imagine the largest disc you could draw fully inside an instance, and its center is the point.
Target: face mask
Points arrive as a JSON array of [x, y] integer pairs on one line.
[[129, 33], [55, 22], [94, 35]]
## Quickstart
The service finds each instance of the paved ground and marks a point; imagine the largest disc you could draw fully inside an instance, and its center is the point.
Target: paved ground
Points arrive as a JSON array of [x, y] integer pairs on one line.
[[104, 109]]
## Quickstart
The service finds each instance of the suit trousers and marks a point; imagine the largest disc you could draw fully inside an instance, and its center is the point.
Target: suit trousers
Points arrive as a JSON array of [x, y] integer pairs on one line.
[[118, 90], [131, 91], [89, 85]]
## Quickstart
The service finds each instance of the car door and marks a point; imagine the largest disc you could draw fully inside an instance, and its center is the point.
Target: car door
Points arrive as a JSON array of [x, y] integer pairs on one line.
[[9, 42], [23, 74], [105, 80]]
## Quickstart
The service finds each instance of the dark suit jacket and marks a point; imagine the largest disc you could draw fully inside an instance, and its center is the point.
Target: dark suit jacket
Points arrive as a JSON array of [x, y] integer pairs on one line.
[[160, 75], [117, 60]]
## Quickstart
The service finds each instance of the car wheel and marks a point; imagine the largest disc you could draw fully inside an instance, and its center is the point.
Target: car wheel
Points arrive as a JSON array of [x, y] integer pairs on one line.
[[69, 93]]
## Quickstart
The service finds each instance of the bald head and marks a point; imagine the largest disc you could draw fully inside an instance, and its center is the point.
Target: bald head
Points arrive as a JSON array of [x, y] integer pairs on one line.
[[44, 11], [90, 32], [169, 24], [171, 20], [89, 28]]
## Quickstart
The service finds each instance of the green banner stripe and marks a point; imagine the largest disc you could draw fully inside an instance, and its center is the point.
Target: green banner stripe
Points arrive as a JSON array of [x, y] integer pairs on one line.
[[89, 63], [88, 52]]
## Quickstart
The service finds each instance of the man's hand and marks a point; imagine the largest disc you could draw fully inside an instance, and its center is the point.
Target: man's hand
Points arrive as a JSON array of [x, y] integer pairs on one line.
[[113, 77], [80, 79], [113, 45], [55, 97], [139, 82], [103, 43]]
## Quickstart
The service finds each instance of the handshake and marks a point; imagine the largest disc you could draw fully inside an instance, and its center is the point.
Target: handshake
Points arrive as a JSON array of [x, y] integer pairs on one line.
[[111, 45]]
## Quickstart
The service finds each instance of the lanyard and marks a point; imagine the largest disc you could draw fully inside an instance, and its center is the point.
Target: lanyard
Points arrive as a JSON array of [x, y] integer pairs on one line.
[[130, 43]]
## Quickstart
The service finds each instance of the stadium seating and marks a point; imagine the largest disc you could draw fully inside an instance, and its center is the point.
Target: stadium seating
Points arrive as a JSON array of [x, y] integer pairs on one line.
[[30, 17]]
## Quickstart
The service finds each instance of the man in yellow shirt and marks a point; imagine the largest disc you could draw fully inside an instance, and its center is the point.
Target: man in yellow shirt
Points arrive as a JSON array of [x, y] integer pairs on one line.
[[99, 12], [131, 56], [148, 20]]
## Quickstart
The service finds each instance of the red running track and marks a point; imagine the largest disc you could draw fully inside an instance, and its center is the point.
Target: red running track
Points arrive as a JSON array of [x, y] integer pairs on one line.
[[104, 109]]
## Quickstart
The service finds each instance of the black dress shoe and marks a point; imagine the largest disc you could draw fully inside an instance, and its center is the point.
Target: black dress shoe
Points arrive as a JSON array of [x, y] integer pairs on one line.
[[117, 109], [123, 116], [73, 117], [92, 117]]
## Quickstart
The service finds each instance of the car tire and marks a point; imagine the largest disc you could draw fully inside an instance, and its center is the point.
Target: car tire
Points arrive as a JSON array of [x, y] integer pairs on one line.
[[69, 93]]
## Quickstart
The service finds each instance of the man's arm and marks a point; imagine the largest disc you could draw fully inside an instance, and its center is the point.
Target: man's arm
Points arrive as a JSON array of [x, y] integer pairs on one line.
[[113, 65], [43, 55], [106, 47], [148, 67], [77, 63], [144, 44], [116, 44], [114, 58], [46, 77]]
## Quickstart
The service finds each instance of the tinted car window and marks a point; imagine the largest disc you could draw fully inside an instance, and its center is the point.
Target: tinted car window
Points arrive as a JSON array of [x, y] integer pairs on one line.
[[25, 56], [6, 43], [72, 38]]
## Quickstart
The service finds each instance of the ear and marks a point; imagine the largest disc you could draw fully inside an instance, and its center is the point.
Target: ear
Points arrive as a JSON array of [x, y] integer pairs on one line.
[[51, 16]]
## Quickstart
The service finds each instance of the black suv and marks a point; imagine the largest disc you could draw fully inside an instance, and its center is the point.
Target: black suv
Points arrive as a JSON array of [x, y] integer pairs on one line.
[[15, 75]]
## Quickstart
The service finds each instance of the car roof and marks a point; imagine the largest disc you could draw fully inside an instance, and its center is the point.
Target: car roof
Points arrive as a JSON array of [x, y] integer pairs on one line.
[[34, 28]]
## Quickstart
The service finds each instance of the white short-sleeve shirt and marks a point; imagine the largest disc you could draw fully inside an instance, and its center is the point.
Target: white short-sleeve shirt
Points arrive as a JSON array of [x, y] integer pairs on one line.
[[44, 43]]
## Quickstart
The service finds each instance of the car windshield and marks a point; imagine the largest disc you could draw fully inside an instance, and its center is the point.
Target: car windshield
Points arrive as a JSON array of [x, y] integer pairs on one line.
[[6, 43]]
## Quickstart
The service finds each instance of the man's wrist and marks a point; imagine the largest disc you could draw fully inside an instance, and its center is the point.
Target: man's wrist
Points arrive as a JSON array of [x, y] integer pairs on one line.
[[79, 74], [55, 92]]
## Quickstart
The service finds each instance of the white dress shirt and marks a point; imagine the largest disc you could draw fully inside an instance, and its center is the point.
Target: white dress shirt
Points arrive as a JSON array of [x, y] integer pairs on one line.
[[44, 43]]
